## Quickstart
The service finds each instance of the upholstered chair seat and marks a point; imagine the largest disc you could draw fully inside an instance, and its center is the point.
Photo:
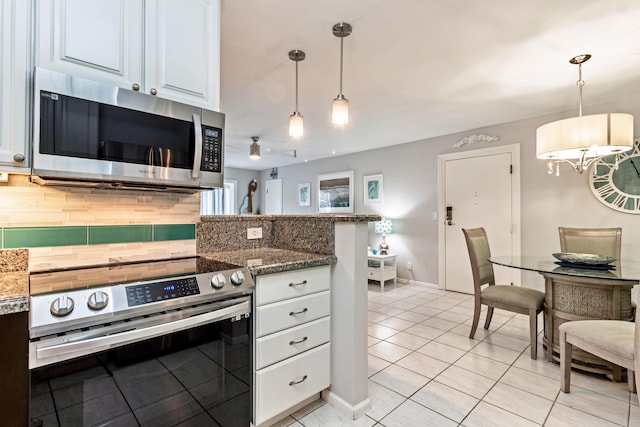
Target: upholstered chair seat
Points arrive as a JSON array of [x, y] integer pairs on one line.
[[612, 340], [511, 298]]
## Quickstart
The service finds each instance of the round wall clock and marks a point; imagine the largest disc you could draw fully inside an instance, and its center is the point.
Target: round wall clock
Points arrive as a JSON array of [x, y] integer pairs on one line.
[[618, 188]]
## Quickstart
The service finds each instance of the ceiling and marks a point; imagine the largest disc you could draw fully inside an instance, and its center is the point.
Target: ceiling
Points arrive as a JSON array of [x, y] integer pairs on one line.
[[413, 69]]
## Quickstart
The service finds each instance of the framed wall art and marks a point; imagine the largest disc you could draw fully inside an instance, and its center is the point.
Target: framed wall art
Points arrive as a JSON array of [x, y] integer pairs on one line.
[[304, 194], [335, 192], [373, 189]]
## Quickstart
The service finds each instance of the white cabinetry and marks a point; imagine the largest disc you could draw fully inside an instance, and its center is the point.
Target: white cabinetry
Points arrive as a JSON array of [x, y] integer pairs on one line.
[[292, 352], [163, 47], [14, 60]]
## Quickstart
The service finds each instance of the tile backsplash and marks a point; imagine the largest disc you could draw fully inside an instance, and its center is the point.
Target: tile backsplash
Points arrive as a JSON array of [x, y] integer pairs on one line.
[[66, 226]]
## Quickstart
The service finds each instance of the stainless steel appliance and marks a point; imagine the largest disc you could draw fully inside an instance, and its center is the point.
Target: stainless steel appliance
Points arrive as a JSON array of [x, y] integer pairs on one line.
[[94, 134], [152, 343]]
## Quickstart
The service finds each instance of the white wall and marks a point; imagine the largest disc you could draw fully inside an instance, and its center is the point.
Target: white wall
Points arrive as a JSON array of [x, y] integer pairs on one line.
[[410, 193]]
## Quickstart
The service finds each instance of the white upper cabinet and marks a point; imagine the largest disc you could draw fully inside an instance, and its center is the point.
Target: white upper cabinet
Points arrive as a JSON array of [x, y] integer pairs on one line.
[[100, 40], [163, 47], [14, 72], [182, 47]]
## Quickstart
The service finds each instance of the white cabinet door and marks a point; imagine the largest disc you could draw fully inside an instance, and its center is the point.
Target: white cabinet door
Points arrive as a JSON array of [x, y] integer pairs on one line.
[[182, 51], [14, 50], [100, 40]]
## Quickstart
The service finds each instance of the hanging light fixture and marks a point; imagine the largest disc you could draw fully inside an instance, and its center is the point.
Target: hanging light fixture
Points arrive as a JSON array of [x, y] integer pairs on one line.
[[580, 141], [254, 148], [296, 128], [340, 114]]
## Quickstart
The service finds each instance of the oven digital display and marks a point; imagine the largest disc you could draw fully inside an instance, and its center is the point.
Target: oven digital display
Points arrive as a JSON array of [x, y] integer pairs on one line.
[[161, 291]]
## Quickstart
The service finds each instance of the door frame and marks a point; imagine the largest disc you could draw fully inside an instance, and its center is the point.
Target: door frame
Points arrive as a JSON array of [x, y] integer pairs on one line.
[[514, 150]]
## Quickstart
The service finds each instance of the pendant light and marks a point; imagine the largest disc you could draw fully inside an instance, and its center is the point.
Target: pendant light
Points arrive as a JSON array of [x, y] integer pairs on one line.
[[296, 127], [584, 139], [254, 148], [340, 114]]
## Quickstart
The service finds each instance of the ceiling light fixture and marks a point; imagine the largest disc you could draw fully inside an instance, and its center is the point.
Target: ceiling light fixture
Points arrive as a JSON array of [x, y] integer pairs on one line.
[[583, 139], [340, 114], [254, 148], [296, 128]]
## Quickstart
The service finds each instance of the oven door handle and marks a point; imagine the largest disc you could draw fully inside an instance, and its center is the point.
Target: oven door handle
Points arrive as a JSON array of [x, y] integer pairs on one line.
[[197, 155], [95, 344]]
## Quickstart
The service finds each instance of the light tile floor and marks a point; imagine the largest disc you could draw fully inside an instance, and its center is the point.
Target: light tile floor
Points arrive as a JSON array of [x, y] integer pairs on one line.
[[425, 371]]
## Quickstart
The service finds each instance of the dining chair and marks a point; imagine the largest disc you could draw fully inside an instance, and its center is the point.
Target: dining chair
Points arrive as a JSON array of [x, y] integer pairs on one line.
[[614, 340], [511, 298], [600, 241]]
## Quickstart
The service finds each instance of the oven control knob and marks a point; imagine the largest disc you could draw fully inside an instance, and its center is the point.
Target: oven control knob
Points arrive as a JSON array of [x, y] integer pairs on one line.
[[61, 306], [98, 300], [218, 281], [237, 278]]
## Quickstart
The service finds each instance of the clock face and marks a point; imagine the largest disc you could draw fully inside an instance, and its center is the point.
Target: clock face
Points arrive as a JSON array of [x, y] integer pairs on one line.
[[618, 188]]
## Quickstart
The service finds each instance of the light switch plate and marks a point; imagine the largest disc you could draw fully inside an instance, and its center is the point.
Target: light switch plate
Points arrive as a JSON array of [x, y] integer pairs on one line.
[[4, 177], [254, 233]]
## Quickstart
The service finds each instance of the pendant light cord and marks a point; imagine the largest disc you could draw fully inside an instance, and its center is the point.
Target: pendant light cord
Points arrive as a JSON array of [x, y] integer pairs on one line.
[[580, 84], [296, 86], [341, 56]]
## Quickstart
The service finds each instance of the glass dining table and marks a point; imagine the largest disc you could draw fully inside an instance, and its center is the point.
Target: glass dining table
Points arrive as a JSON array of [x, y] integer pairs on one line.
[[577, 292]]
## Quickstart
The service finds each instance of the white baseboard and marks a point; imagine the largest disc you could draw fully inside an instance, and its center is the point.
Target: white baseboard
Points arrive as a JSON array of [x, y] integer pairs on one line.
[[406, 281], [356, 410]]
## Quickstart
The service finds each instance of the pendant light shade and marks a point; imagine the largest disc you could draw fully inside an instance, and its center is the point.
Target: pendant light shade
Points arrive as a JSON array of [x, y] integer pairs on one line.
[[296, 124], [580, 141], [254, 149], [340, 113]]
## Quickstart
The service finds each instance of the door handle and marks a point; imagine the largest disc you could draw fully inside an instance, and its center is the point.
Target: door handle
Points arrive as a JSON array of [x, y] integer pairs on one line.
[[449, 215]]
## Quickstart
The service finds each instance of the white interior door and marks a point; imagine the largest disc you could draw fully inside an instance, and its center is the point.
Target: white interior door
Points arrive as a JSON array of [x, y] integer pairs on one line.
[[479, 189], [273, 197]]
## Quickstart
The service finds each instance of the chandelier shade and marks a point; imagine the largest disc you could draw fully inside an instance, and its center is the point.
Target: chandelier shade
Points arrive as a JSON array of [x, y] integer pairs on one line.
[[595, 135], [580, 141]]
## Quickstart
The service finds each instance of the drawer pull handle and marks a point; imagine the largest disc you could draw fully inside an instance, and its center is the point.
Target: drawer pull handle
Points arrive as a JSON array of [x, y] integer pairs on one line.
[[298, 382], [293, 313], [300, 341], [304, 282]]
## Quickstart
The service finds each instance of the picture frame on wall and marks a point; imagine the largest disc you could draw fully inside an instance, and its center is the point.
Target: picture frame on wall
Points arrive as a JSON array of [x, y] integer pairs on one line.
[[335, 192], [304, 194], [373, 189]]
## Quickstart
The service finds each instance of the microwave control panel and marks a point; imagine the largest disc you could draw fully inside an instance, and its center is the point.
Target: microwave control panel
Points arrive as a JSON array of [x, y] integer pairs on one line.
[[211, 149]]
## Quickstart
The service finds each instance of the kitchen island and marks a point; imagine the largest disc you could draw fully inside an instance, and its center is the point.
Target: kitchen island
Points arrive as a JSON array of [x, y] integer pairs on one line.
[[338, 240], [14, 339]]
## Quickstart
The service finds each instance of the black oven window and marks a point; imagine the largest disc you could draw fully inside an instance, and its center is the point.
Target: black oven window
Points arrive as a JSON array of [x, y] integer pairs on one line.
[[79, 128], [201, 376]]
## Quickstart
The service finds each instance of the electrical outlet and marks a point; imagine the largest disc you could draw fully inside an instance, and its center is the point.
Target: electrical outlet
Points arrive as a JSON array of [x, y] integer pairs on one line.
[[254, 233], [410, 266], [4, 177]]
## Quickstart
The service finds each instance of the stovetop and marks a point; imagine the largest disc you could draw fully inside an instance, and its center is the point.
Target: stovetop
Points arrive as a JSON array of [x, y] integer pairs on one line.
[[83, 297]]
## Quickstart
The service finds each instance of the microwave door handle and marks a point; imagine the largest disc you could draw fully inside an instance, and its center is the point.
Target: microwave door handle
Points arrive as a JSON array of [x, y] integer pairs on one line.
[[197, 158]]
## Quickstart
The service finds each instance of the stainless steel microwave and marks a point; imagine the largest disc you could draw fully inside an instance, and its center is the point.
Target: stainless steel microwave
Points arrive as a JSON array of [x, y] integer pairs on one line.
[[94, 134]]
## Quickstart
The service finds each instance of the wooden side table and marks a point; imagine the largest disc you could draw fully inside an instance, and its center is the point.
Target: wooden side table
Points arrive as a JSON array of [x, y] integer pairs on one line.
[[382, 268]]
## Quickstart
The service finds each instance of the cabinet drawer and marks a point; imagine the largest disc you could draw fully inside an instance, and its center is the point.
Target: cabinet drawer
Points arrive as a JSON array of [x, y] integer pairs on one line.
[[276, 347], [286, 314], [291, 284], [287, 383]]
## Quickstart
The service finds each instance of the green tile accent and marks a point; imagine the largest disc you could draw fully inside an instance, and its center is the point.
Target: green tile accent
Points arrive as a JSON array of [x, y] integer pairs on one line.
[[34, 237], [174, 232], [102, 234]]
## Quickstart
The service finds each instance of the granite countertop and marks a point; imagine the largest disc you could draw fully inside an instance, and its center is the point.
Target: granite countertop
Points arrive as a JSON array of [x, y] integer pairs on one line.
[[322, 217], [270, 260], [14, 281]]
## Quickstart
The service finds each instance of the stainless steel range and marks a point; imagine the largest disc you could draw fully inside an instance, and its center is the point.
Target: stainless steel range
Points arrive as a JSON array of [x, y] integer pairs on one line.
[[135, 317]]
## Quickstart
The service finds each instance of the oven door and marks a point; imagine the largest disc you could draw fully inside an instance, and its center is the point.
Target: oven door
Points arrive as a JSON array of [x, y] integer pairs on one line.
[[196, 369]]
